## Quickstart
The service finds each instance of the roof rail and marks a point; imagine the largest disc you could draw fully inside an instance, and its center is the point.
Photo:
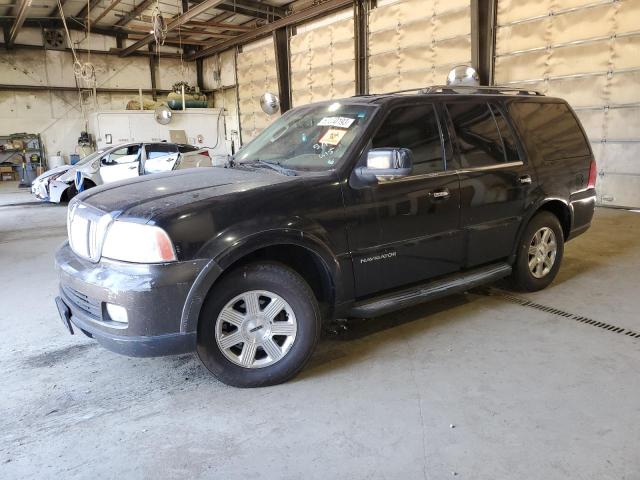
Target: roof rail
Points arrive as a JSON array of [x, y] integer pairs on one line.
[[497, 90]]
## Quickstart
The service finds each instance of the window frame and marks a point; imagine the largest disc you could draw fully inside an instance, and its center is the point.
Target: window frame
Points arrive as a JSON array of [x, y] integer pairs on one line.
[[453, 134], [435, 106]]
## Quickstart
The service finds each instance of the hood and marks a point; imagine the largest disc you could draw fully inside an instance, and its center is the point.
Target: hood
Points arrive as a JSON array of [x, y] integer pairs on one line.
[[144, 196], [53, 171]]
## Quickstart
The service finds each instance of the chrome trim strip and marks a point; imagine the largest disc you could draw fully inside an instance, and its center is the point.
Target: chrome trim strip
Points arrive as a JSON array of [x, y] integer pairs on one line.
[[448, 173]]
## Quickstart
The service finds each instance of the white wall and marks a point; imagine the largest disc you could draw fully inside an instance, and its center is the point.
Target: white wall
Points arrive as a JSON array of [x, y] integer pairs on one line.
[[58, 115]]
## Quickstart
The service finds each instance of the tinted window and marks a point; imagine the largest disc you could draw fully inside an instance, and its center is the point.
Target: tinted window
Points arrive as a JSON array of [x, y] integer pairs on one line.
[[183, 148], [160, 150], [477, 135], [550, 129], [416, 128], [508, 138]]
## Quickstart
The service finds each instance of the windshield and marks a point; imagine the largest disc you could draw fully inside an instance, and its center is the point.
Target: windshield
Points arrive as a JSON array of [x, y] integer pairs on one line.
[[90, 157], [313, 138]]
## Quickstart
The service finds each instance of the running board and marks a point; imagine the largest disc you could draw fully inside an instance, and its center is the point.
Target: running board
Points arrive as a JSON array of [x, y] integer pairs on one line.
[[455, 283]]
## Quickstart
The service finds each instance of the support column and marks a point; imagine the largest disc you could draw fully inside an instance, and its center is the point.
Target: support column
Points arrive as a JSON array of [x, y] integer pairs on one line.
[[283, 66], [483, 38]]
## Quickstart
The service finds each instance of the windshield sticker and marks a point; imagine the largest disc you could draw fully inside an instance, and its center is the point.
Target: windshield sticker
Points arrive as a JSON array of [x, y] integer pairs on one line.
[[340, 122], [333, 136]]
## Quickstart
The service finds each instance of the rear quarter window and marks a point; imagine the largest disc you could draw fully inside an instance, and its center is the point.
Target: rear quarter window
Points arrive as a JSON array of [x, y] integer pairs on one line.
[[549, 130]]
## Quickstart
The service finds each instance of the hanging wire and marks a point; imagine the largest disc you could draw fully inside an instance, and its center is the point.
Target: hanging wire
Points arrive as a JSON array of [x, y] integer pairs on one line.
[[84, 71], [159, 25]]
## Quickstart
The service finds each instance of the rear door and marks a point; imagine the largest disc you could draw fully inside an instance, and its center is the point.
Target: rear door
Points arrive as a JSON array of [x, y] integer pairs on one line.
[[406, 230], [495, 182], [160, 157], [120, 164]]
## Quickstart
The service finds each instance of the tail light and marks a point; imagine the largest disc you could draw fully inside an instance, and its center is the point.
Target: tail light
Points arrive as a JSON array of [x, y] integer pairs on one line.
[[205, 153], [593, 173]]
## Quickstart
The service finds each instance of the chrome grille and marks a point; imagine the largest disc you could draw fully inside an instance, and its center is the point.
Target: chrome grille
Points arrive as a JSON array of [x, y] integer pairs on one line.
[[86, 227], [88, 305]]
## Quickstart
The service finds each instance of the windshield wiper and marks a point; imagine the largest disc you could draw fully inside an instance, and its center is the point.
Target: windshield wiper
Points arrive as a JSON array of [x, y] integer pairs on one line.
[[273, 166]]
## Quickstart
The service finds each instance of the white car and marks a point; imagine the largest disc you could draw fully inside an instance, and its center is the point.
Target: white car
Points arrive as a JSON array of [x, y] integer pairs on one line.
[[111, 164]]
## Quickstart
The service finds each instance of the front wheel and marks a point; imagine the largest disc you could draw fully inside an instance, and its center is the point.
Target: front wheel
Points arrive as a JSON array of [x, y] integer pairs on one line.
[[539, 253], [259, 326]]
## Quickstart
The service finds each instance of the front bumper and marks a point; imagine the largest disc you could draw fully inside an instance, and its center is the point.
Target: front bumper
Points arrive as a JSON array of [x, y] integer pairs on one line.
[[153, 295]]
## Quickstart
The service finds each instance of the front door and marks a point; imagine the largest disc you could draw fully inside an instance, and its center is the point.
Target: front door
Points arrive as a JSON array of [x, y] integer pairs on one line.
[[160, 157], [494, 181], [120, 164], [406, 230]]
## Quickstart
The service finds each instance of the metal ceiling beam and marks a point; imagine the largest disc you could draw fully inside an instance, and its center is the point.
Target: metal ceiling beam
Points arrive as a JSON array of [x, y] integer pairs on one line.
[[250, 8], [55, 11], [73, 23], [293, 19], [21, 15], [221, 26], [142, 6], [181, 20], [111, 6], [87, 8]]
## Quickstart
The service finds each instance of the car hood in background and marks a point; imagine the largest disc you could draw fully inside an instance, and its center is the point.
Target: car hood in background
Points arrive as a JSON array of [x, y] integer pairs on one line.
[[53, 171], [145, 196]]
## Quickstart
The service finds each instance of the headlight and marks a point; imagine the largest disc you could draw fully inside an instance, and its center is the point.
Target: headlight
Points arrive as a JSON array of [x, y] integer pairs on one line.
[[138, 243]]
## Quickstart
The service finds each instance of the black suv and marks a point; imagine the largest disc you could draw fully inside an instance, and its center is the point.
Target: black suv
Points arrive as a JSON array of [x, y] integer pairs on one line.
[[348, 208]]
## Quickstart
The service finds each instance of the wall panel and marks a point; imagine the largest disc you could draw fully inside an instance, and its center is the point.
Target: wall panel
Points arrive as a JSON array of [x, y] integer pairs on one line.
[[323, 60], [588, 53], [256, 70], [414, 43]]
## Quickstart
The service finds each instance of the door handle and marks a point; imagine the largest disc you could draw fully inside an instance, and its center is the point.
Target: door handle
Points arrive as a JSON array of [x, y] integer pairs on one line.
[[525, 180], [132, 167], [440, 194]]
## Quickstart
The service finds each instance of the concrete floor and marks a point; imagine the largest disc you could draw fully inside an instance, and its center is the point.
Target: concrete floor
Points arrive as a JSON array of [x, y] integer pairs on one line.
[[530, 395]]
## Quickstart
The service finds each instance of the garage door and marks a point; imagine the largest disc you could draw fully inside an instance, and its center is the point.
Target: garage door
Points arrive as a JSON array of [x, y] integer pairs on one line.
[[415, 43], [323, 60], [257, 74], [588, 53]]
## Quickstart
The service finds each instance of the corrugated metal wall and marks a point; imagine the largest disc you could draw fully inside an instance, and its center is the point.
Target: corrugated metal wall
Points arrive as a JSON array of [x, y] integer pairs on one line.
[[323, 60], [414, 43], [256, 67], [589, 53]]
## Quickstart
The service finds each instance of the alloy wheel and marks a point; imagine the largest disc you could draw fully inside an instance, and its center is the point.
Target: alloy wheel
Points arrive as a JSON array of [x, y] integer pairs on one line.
[[542, 252], [256, 329]]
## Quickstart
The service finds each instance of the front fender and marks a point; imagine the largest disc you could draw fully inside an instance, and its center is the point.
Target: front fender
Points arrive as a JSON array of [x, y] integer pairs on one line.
[[229, 247]]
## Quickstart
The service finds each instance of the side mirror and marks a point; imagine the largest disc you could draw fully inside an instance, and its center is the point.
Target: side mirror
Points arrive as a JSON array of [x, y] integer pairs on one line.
[[387, 164]]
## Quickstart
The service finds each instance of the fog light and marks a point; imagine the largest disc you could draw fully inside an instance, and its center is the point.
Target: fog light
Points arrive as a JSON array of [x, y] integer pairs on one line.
[[117, 313]]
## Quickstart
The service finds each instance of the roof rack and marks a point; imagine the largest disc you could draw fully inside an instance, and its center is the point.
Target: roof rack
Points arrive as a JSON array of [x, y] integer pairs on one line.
[[497, 90]]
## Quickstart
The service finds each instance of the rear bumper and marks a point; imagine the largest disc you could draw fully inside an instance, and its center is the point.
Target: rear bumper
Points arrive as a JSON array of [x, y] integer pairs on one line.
[[583, 206], [153, 296]]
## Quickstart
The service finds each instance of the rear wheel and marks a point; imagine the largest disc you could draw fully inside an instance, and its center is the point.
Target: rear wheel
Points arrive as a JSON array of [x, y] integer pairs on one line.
[[539, 253], [259, 326]]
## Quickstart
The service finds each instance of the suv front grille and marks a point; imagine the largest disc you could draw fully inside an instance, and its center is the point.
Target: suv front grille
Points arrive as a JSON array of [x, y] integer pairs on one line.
[[83, 302], [87, 227]]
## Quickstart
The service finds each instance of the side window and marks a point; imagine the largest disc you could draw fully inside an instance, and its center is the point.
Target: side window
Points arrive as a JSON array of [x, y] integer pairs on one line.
[[477, 135], [414, 127], [159, 150], [549, 129], [122, 155], [508, 138]]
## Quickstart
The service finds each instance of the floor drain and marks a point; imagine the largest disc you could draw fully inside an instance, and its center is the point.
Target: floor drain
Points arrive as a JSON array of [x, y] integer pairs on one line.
[[561, 313]]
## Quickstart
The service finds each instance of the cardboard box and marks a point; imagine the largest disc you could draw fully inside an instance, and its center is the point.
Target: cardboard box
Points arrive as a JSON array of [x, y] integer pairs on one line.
[[5, 169]]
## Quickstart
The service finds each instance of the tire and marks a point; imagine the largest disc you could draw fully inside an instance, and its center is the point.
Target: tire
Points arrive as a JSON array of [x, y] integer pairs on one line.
[[241, 348], [531, 279]]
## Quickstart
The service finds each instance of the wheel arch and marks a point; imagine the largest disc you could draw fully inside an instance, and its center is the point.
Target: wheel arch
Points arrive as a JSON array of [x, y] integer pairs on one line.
[[305, 255], [558, 207]]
